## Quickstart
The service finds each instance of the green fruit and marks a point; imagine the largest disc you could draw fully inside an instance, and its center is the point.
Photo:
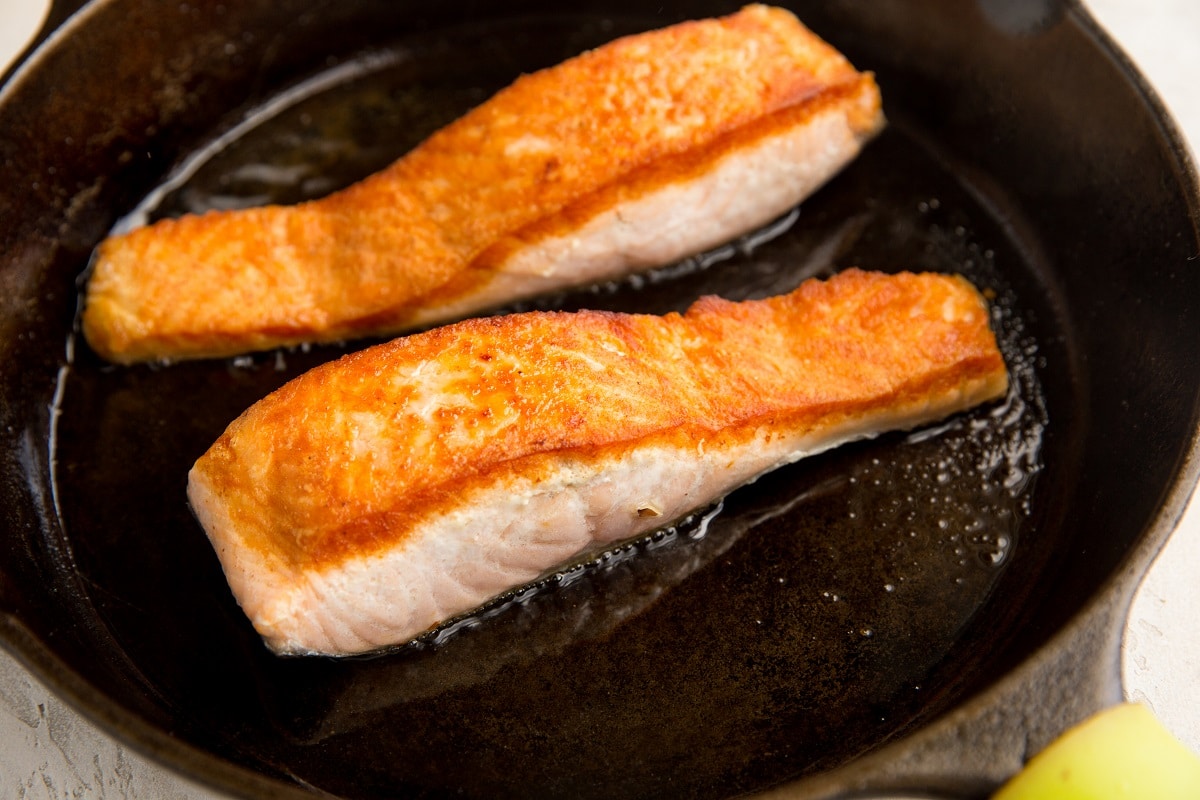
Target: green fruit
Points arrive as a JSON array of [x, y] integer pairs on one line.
[[1123, 752]]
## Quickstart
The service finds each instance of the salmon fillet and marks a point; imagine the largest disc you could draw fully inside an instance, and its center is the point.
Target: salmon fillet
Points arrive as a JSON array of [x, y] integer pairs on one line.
[[378, 495], [627, 157]]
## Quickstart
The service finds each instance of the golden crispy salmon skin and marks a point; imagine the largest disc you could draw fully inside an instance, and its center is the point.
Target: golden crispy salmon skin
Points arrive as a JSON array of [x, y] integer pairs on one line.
[[381, 494], [630, 156]]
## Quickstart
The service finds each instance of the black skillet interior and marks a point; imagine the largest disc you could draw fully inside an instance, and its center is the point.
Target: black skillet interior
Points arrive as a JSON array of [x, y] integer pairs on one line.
[[816, 615]]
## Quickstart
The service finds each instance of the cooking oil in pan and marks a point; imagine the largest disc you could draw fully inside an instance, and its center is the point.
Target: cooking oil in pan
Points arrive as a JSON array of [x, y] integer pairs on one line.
[[821, 611]]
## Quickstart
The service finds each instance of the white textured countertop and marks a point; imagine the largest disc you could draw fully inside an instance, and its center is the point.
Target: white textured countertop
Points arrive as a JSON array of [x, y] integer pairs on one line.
[[48, 752]]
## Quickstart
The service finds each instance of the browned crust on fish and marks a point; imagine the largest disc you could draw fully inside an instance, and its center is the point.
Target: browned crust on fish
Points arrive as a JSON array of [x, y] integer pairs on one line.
[[544, 155], [581, 388]]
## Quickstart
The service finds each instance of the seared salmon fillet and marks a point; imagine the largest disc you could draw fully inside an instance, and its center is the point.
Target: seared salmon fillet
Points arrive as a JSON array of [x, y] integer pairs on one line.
[[378, 495], [626, 157]]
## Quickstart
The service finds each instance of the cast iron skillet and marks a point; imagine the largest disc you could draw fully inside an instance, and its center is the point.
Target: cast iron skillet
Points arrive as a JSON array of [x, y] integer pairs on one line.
[[914, 614]]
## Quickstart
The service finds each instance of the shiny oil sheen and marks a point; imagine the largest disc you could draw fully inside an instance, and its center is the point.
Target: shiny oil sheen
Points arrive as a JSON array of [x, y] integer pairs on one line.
[[812, 616]]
